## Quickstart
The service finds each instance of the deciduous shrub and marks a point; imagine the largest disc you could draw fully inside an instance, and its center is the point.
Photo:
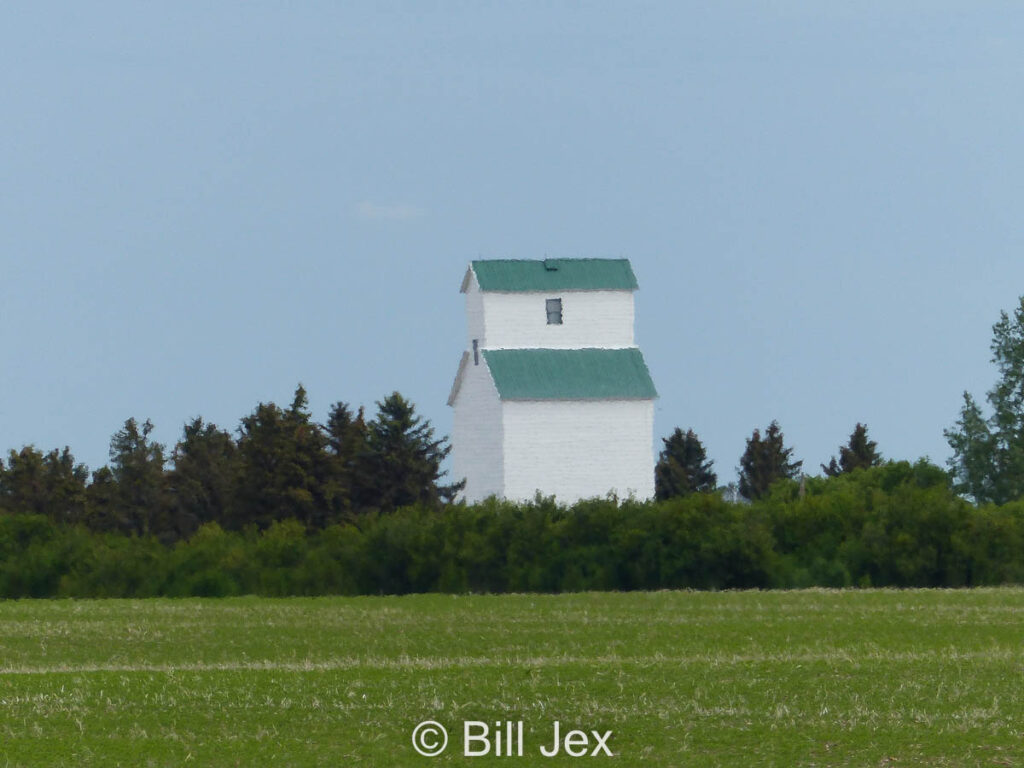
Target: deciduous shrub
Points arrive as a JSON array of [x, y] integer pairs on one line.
[[893, 525]]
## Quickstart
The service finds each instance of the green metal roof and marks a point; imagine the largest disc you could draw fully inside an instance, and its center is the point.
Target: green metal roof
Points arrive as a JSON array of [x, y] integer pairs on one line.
[[570, 374], [555, 275]]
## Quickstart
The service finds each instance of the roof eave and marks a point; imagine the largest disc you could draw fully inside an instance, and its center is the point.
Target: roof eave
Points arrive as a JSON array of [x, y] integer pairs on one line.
[[549, 291], [457, 384], [578, 399]]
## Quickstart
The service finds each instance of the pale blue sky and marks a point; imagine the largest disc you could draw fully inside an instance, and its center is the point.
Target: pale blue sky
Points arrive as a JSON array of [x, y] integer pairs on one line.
[[202, 204]]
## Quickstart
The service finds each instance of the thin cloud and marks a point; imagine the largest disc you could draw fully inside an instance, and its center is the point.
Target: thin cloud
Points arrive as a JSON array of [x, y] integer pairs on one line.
[[397, 212]]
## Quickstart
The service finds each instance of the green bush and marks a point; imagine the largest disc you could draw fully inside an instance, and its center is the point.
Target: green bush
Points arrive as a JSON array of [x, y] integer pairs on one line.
[[894, 525]]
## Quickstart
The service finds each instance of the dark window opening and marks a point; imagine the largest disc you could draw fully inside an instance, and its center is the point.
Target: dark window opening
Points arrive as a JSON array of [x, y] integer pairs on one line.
[[554, 308], [476, 352]]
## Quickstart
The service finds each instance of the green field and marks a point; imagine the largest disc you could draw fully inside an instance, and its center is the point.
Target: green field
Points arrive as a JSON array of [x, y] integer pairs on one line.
[[859, 678]]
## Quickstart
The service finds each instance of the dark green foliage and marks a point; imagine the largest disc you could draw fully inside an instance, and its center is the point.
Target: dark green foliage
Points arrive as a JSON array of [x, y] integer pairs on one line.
[[283, 466], [213, 563], [403, 459], [103, 512], [992, 543], [893, 525], [347, 444], [858, 453], [137, 467], [898, 524], [988, 453], [36, 484], [292, 507], [765, 461], [284, 469], [30, 556], [204, 477], [683, 466]]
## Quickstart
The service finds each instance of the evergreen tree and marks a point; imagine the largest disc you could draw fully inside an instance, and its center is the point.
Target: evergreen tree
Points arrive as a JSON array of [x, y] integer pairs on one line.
[[261, 453], [66, 483], [858, 453], [102, 512], [21, 482], [764, 461], [203, 480], [988, 453], [137, 467], [284, 470], [51, 485], [404, 459], [683, 466], [347, 437]]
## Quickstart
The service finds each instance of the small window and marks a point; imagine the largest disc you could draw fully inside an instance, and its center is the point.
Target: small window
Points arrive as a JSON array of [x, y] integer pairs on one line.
[[476, 352], [554, 307]]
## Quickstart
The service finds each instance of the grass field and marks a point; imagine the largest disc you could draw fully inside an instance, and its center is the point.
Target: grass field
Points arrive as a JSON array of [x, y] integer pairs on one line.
[[858, 678]]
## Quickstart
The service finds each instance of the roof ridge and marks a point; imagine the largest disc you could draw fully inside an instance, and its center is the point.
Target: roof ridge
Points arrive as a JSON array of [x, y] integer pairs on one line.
[[552, 258]]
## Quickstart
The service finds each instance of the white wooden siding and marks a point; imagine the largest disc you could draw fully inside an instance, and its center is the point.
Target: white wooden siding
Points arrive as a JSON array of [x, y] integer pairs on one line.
[[578, 449], [519, 320], [474, 314], [477, 435]]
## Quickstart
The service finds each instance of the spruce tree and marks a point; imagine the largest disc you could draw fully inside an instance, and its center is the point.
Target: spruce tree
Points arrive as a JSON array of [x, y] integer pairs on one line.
[[137, 467], [202, 483], [21, 482], [858, 453], [347, 446], [764, 461], [65, 483], [404, 459], [683, 467], [52, 484], [102, 512], [283, 467]]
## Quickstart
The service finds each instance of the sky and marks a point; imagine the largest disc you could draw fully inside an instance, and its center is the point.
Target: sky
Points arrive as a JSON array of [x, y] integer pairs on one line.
[[204, 204]]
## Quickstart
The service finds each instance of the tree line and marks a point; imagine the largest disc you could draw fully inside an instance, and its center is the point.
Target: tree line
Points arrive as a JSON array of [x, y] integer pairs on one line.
[[987, 465], [684, 468], [280, 465], [359, 505], [899, 525]]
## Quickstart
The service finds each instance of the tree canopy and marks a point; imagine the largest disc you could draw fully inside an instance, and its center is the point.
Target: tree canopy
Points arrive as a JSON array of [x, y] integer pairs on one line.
[[683, 466], [405, 458], [137, 468], [279, 465], [202, 483], [988, 452], [765, 460], [858, 453]]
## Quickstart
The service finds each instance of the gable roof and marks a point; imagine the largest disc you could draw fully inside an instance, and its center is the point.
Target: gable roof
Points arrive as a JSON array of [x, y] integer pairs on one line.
[[570, 374], [554, 275]]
